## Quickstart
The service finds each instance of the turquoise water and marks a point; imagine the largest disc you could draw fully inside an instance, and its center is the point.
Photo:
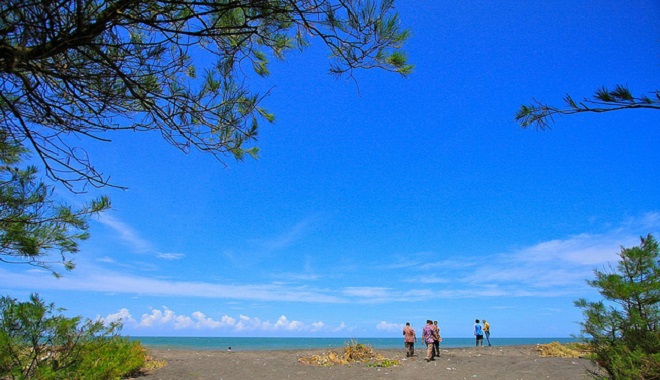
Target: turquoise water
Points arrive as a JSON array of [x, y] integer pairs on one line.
[[237, 344]]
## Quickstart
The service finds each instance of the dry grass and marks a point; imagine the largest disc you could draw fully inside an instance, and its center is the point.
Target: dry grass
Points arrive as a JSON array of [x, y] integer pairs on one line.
[[568, 350], [353, 353], [151, 364]]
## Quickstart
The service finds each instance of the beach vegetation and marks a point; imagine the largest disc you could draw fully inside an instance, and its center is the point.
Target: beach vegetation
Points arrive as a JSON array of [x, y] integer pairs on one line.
[[38, 342], [353, 352], [623, 330], [565, 350], [36, 229], [385, 363], [74, 70]]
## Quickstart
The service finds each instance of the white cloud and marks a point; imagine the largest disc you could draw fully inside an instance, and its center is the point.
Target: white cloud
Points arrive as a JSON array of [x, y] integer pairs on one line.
[[297, 276], [158, 319], [342, 327], [129, 236], [123, 316], [96, 279], [430, 279], [170, 256], [387, 326], [284, 324], [366, 292], [374, 294], [316, 326], [289, 237], [557, 267], [583, 249]]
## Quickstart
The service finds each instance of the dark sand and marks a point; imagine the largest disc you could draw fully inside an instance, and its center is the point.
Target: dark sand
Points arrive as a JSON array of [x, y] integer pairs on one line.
[[506, 363]]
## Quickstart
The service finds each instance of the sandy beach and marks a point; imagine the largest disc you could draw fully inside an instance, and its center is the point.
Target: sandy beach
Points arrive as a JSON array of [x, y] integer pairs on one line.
[[505, 363]]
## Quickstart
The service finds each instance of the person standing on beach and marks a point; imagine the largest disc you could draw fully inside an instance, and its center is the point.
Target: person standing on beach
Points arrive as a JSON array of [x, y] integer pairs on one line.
[[487, 331], [478, 333], [409, 337], [436, 339], [427, 336]]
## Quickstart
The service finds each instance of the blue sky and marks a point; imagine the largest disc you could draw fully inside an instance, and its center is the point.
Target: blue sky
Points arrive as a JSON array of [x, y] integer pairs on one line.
[[393, 199]]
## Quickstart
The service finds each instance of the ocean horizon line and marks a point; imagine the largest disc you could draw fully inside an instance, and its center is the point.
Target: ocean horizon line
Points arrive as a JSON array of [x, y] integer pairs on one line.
[[324, 337], [296, 343]]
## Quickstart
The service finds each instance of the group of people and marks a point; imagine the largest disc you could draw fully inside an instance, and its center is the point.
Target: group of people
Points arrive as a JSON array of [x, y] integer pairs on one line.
[[431, 336], [481, 331]]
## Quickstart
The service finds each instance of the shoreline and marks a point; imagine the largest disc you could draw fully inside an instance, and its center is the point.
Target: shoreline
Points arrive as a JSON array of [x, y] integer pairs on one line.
[[505, 362], [288, 343]]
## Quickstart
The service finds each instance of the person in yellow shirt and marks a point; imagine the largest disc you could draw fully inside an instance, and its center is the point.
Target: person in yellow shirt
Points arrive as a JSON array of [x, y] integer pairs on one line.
[[487, 331]]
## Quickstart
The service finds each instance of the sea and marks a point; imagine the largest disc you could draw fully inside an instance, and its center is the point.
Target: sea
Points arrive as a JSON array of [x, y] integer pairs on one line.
[[245, 344]]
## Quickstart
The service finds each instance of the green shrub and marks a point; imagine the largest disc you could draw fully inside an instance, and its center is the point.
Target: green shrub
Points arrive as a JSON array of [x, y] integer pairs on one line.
[[623, 330], [620, 361], [108, 358], [36, 342]]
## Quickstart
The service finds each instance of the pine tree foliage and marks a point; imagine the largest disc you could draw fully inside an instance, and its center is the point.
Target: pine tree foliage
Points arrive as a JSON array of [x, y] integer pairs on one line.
[[541, 115], [77, 69], [34, 228], [624, 328]]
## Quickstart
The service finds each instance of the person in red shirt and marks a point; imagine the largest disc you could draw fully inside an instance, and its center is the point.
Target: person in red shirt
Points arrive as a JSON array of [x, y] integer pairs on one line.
[[409, 337]]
